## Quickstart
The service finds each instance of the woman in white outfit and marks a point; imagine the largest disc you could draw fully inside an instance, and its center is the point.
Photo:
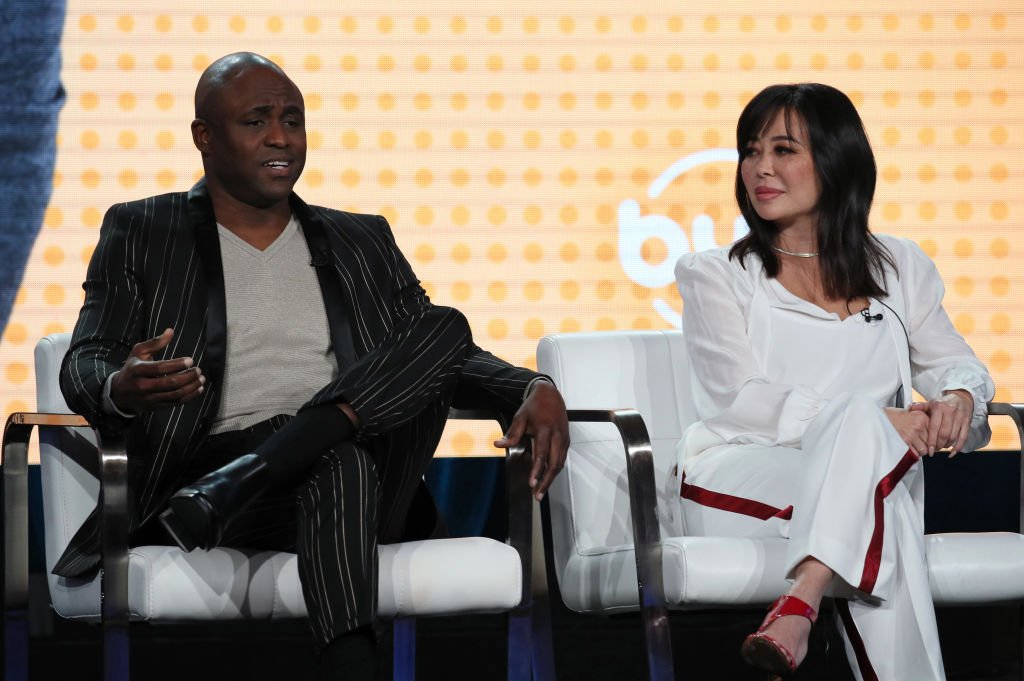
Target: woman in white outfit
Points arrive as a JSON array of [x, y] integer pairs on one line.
[[807, 337]]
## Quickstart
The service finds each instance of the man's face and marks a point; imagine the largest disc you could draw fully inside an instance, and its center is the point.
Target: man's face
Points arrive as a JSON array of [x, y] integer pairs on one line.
[[254, 149]]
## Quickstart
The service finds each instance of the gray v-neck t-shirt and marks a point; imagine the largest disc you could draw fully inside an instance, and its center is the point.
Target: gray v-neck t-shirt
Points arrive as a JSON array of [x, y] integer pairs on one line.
[[279, 351]]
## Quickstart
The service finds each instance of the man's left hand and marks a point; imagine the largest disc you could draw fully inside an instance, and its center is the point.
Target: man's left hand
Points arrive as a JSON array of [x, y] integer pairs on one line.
[[542, 416]]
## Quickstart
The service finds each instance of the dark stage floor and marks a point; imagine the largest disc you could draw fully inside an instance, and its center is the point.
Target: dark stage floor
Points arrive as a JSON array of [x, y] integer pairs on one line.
[[979, 644]]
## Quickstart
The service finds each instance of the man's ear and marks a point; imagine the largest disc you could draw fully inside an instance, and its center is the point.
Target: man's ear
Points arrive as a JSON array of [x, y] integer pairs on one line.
[[201, 135]]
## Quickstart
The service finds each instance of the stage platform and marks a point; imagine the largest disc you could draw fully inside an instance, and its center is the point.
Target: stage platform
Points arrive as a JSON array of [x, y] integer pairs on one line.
[[980, 644]]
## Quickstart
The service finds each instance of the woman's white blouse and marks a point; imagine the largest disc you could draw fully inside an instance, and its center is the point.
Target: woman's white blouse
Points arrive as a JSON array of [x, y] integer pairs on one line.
[[814, 348], [765, 362]]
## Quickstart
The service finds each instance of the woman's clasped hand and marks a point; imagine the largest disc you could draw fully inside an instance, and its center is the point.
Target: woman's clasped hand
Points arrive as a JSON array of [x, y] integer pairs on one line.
[[942, 423]]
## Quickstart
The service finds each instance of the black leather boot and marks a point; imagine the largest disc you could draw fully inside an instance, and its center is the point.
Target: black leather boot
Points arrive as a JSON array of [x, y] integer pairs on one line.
[[198, 513]]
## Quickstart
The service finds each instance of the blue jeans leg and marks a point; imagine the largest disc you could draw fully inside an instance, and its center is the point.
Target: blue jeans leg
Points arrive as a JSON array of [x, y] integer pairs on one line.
[[31, 97]]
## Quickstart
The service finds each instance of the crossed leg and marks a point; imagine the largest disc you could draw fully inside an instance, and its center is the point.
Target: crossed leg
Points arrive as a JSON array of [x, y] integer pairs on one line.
[[850, 493]]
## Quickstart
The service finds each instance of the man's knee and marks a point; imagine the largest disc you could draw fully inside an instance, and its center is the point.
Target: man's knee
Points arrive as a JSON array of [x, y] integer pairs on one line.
[[345, 471]]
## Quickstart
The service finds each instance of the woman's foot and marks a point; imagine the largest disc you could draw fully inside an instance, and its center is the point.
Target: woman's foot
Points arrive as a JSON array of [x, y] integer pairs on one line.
[[780, 644]]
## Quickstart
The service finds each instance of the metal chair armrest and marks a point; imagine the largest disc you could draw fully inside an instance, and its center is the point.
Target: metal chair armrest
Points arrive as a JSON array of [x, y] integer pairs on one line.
[[17, 432], [114, 529], [113, 526], [518, 496], [643, 506], [14, 459], [1016, 413], [529, 624]]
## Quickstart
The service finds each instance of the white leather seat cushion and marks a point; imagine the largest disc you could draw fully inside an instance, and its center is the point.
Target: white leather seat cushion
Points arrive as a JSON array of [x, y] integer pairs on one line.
[[976, 568], [964, 569], [440, 576]]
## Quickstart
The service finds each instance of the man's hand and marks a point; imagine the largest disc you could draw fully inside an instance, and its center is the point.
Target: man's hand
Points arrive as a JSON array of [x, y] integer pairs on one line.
[[542, 416], [347, 409], [949, 420], [143, 384]]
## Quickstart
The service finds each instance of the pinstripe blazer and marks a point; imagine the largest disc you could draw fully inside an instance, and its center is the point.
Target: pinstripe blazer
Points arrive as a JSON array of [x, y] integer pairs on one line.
[[157, 265]]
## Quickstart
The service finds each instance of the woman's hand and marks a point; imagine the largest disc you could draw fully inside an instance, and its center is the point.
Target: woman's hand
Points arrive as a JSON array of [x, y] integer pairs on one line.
[[949, 420], [912, 425]]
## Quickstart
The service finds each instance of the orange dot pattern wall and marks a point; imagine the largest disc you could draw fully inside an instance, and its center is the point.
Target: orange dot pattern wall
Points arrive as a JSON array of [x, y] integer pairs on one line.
[[543, 168]]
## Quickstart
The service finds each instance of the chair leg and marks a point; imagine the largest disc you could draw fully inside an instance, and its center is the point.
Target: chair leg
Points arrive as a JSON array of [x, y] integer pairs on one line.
[[543, 643], [519, 645], [658, 641], [116, 652], [404, 649], [529, 629], [16, 601], [15, 645]]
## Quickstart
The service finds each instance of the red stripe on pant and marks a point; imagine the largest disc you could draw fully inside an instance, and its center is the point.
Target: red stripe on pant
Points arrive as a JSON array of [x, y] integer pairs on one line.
[[867, 672], [873, 558], [728, 502]]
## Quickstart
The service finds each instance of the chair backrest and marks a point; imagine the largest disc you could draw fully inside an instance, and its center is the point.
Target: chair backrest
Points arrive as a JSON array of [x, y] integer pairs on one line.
[[645, 370], [67, 458]]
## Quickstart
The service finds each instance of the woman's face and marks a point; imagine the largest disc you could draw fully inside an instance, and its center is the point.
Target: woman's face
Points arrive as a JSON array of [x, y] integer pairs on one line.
[[778, 174]]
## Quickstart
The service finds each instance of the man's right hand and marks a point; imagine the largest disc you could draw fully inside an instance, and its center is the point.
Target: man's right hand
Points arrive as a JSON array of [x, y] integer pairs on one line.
[[143, 384]]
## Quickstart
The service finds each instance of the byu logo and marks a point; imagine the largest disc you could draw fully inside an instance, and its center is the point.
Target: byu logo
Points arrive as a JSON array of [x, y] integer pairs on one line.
[[635, 229]]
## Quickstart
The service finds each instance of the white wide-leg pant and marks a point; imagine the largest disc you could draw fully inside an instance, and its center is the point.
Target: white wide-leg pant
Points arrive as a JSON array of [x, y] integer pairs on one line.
[[852, 498]]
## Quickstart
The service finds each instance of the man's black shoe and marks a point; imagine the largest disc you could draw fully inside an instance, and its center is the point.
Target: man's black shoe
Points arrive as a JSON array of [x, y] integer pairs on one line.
[[198, 513]]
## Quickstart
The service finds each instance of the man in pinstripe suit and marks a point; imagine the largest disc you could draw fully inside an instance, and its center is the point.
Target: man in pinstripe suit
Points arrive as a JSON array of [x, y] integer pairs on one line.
[[256, 350]]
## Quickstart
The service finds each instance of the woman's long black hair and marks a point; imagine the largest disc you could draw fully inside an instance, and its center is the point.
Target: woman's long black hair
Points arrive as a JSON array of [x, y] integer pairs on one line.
[[852, 260]]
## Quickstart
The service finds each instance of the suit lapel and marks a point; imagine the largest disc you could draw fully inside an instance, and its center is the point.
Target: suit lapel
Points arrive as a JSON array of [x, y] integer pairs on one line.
[[204, 223], [339, 312]]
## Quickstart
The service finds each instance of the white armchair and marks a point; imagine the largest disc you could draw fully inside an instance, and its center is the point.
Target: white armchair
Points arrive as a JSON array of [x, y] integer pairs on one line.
[[618, 543], [164, 584]]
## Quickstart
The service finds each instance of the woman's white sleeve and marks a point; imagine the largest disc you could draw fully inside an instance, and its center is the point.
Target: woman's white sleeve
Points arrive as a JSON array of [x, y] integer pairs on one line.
[[734, 398], [940, 358]]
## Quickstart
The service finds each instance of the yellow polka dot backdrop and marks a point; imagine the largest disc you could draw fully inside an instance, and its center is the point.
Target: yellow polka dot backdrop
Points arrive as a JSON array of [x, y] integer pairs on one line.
[[543, 170]]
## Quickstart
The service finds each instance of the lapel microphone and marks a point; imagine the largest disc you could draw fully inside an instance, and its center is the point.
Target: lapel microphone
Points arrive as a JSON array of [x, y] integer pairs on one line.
[[868, 317]]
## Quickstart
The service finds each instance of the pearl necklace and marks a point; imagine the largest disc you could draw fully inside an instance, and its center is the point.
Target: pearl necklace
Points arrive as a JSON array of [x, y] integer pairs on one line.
[[796, 254]]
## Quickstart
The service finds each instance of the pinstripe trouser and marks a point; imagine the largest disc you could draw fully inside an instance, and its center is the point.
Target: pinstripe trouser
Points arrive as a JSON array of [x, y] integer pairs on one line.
[[355, 495]]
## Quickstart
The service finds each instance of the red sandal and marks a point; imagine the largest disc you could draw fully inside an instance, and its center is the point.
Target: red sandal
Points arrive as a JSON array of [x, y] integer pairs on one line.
[[762, 651]]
